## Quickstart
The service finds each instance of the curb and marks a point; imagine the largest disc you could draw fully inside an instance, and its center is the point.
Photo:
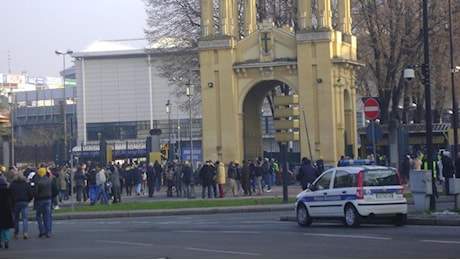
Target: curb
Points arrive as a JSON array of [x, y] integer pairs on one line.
[[170, 212], [417, 220], [422, 219]]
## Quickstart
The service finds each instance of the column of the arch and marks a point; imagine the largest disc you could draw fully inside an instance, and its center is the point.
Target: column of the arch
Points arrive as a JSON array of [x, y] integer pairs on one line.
[[353, 122], [345, 16], [234, 21], [304, 14], [249, 17], [225, 15], [324, 11], [207, 20]]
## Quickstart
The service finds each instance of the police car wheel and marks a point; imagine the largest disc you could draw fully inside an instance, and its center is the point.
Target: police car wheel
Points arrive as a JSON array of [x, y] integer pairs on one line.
[[400, 220], [352, 217], [303, 218]]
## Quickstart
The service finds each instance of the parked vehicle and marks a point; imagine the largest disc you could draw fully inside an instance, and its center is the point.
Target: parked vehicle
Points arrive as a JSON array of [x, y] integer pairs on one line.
[[354, 194]]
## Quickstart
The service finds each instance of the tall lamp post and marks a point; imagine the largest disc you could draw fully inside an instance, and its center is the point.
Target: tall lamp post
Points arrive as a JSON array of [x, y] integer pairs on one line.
[[68, 52], [64, 53], [168, 111], [188, 92], [453, 70], [179, 151], [11, 101]]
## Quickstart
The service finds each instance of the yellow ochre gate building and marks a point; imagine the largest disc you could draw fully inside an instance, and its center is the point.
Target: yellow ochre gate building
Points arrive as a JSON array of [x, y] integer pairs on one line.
[[316, 61]]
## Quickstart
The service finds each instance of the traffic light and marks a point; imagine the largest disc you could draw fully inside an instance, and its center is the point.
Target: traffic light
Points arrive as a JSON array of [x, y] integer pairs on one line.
[[286, 115]]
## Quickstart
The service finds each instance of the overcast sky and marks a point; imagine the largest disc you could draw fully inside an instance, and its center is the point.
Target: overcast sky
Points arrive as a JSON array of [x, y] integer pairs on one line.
[[31, 30]]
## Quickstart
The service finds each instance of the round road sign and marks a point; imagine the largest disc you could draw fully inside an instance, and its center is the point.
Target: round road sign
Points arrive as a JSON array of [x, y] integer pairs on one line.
[[371, 108]]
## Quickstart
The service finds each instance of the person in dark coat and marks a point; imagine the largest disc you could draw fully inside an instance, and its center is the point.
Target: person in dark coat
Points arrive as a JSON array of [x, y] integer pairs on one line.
[[320, 165], [127, 176], [405, 168], [245, 178], [158, 174], [116, 183], [457, 169], [6, 213], [151, 182], [186, 177], [22, 194], [80, 184], [448, 169], [44, 191], [206, 177], [307, 173]]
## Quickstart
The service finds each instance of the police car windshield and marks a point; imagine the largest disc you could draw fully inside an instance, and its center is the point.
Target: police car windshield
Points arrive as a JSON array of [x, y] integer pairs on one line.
[[380, 177]]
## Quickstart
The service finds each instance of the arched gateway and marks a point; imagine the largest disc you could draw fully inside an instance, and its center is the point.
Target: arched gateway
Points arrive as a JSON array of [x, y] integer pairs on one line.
[[316, 62]]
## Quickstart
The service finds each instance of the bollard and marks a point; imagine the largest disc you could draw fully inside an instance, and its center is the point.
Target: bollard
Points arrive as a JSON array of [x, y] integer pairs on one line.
[[454, 189]]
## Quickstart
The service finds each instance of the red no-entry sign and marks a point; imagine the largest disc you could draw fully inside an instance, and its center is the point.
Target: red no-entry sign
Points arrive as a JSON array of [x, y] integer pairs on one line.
[[371, 108]]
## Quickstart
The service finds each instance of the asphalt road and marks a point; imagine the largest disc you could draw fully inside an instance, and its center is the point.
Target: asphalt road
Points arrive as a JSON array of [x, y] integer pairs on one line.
[[235, 235]]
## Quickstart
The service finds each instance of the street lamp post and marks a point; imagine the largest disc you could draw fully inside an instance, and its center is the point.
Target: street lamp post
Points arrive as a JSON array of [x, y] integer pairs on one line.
[[188, 92], [68, 52], [179, 151], [11, 101], [454, 100], [168, 111]]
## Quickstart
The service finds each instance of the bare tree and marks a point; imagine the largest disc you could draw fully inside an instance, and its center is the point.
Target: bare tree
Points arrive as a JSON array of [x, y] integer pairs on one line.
[[390, 39]]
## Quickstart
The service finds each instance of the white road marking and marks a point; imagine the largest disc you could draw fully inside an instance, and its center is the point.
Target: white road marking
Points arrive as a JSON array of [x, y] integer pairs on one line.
[[123, 243], [347, 236], [101, 230], [221, 251], [214, 231], [441, 241]]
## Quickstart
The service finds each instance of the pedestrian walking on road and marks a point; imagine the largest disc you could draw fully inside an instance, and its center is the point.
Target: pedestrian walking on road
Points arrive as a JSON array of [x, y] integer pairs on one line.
[[6, 213], [22, 194], [43, 193]]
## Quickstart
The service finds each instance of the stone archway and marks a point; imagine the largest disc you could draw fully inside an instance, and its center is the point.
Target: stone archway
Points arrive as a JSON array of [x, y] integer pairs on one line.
[[252, 129], [315, 60]]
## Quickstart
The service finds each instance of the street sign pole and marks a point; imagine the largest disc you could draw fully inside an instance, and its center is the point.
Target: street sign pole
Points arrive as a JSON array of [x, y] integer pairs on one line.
[[374, 149], [372, 111]]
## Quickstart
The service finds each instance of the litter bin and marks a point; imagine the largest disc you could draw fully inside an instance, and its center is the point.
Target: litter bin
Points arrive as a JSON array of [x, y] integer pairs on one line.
[[454, 188], [421, 189]]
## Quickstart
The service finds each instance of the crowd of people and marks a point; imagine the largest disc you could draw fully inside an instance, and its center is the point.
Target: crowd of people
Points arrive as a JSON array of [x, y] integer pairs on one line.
[[444, 167], [46, 186], [17, 189], [245, 179]]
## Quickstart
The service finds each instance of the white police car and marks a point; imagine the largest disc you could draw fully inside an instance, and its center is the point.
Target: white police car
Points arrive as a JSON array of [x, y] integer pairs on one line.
[[353, 194]]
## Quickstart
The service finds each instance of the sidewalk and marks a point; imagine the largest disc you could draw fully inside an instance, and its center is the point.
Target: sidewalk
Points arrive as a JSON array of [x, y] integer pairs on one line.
[[442, 217]]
